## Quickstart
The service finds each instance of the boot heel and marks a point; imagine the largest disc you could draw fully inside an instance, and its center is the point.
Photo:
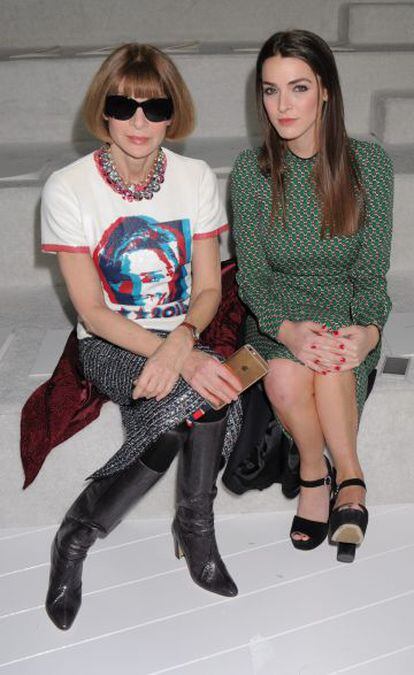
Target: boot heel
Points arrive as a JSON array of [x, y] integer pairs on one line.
[[178, 550], [346, 552]]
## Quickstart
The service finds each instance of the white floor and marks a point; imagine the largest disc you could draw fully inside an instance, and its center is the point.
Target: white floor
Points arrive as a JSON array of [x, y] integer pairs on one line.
[[296, 612]]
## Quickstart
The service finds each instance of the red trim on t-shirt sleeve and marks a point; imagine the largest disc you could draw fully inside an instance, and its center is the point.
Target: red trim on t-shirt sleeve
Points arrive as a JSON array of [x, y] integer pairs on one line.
[[213, 233], [56, 248]]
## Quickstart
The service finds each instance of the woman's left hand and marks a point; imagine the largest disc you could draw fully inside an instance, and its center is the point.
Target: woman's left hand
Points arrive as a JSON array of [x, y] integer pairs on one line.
[[210, 378], [358, 342]]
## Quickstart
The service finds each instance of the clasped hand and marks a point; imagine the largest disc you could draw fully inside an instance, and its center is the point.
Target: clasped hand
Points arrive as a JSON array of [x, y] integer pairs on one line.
[[323, 350]]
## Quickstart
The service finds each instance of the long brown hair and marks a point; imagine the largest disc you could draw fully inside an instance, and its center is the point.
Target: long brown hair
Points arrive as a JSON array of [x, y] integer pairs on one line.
[[336, 175]]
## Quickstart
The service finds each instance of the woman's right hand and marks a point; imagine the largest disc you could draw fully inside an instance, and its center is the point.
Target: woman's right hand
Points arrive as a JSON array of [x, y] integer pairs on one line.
[[210, 378], [312, 344], [162, 369], [158, 376]]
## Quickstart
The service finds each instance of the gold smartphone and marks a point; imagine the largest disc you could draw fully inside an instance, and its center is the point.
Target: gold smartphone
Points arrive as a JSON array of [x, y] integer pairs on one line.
[[247, 364]]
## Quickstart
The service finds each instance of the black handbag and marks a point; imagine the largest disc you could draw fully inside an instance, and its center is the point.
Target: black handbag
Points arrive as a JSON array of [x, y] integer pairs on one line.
[[263, 454]]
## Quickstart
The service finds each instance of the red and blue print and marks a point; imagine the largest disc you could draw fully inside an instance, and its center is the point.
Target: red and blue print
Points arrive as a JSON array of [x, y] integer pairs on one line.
[[144, 264]]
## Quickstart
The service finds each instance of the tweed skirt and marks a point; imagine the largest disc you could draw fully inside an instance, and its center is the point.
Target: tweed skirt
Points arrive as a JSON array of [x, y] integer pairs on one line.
[[113, 370]]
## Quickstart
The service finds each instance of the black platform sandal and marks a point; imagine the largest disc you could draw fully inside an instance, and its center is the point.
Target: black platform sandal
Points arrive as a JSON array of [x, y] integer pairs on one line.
[[347, 524], [315, 530]]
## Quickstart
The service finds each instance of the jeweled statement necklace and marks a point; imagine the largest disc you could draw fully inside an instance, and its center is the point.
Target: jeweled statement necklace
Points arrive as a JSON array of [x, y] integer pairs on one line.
[[134, 191]]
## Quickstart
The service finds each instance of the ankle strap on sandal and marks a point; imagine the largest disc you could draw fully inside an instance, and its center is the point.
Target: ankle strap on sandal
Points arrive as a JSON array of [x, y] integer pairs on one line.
[[327, 480], [351, 481]]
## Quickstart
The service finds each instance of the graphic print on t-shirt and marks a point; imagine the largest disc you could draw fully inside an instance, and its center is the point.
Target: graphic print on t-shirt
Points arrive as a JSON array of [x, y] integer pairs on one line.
[[144, 266]]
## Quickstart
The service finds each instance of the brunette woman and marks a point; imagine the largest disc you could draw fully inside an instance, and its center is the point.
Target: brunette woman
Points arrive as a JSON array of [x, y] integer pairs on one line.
[[312, 225]]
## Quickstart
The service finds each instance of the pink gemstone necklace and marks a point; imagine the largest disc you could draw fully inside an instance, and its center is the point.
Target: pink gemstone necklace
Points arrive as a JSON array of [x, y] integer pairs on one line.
[[134, 191]]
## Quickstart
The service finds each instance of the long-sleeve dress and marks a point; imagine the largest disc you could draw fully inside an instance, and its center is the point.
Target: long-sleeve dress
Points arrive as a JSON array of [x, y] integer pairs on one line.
[[290, 272]]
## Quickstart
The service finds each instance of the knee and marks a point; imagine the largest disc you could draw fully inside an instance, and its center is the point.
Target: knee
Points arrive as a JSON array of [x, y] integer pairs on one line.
[[281, 398], [285, 394]]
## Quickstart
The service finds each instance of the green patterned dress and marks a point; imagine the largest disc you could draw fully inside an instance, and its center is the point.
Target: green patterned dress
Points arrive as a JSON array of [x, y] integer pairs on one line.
[[291, 273]]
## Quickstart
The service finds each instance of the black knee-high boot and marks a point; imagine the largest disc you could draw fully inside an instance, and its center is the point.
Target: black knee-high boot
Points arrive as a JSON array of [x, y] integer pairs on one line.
[[97, 511], [193, 526]]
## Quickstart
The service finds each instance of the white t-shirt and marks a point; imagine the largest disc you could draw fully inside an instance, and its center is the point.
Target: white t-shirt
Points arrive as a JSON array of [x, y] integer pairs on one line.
[[141, 249]]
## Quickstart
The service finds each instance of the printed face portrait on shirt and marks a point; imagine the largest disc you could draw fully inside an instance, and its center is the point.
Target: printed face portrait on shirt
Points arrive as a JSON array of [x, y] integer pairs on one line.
[[143, 264]]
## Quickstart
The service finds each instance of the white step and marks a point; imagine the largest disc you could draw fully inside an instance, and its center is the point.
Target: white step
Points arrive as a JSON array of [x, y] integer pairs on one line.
[[20, 258], [395, 117], [221, 83], [135, 593], [29, 164], [385, 443], [32, 163], [381, 23], [403, 234], [43, 23], [21, 249], [385, 439]]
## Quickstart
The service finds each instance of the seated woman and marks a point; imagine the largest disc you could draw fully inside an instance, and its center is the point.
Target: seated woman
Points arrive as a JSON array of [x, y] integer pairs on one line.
[[312, 225], [135, 229]]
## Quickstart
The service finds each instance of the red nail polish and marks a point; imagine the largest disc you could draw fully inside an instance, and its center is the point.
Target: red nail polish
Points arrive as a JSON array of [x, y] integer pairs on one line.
[[336, 332], [313, 346], [337, 367], [324, 326], [343, 360], [341, 346], [324, 372], [317, 361]]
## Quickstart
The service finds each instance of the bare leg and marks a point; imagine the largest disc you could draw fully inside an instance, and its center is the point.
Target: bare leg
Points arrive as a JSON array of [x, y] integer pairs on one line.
[[338, 414], [290, 389]]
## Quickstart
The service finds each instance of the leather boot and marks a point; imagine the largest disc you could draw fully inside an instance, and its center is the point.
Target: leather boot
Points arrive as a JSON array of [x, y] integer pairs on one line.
[[97, 511], [193, 526]]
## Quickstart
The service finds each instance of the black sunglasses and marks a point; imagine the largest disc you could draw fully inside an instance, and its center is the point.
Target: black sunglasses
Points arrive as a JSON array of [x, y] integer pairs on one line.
[[123, 108]]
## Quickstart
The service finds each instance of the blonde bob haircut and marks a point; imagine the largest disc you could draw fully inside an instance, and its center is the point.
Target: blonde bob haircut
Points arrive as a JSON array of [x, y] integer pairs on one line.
[[140, 71]]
